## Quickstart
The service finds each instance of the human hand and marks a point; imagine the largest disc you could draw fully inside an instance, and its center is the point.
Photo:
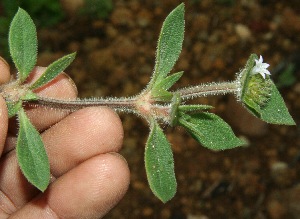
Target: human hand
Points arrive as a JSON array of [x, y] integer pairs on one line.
[[89, 177]]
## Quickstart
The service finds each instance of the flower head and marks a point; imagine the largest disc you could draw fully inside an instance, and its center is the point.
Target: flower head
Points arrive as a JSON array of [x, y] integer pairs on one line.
[[254, 87], [260, 68]]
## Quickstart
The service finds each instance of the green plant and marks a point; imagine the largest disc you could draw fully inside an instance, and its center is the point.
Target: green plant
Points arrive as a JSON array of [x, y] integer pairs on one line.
[[156, 103], [45, 13], [97, 8], [287, 76]]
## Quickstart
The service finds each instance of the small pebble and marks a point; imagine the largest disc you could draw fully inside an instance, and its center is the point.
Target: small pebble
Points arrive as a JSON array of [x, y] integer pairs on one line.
[[243, 32]]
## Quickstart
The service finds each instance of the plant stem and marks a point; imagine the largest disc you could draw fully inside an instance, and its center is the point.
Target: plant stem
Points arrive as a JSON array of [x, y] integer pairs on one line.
[[208, 89], [139, 104], [118, 104]]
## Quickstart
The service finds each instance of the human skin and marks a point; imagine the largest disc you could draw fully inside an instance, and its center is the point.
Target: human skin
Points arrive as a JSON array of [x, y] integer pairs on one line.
[[88, 176]]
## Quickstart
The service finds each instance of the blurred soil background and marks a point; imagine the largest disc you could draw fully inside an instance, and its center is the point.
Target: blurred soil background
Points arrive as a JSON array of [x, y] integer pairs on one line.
[[115, 43]]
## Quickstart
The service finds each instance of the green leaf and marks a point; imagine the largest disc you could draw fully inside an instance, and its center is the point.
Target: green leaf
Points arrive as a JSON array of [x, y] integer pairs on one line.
[[162, 95], [169, 44], [159, 164], [176, 100], [168, 82], [23, 43], [159, 91], [31, 154], [210, 131], [193, 108], [29, 96], [287, 77], [53, 70], [13, 108], [274, 111]]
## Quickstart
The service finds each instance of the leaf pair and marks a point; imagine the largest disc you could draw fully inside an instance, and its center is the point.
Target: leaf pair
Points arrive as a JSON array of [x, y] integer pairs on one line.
[[31, 154], [23, 50], [207, 128], [159, 161], [168, 51]]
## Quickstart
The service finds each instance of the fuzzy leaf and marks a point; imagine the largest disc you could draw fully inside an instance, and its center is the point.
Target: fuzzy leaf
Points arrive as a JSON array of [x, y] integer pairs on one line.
[[162, 95], [210, 131], [169, 44], [159, 91], [31, 154], [23, 43], [53, 70], [176, 100], [274, 111], [13, 108], [168, 82], [29, 96], [193, 108], [159, 164]]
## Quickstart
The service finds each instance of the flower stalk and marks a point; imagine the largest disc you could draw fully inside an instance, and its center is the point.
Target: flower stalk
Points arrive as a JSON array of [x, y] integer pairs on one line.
[[208, 90]]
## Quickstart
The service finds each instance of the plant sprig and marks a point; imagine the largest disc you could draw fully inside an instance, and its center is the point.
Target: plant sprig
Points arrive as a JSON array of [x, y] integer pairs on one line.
[[253, 87]]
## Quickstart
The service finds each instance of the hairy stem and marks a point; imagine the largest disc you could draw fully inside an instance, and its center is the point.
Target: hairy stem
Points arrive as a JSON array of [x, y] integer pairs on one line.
[[208, 89], [142, 104], [118, 104]]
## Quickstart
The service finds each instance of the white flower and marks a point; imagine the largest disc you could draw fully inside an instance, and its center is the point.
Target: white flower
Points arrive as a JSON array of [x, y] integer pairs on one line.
[[260, 68]]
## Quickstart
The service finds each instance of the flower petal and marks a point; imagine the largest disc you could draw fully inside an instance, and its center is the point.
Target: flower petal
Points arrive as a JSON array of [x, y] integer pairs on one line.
[[260, 67]]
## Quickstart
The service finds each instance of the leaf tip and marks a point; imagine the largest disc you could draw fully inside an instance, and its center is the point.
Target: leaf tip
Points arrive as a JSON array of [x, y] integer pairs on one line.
[[181, 6], [165, 199]]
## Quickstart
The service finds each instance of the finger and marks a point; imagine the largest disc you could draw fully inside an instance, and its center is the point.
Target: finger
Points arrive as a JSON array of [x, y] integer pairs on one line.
[[82, 135], [15, 190], [87, 191], [4, 69], [3, 123], [75, 139]]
